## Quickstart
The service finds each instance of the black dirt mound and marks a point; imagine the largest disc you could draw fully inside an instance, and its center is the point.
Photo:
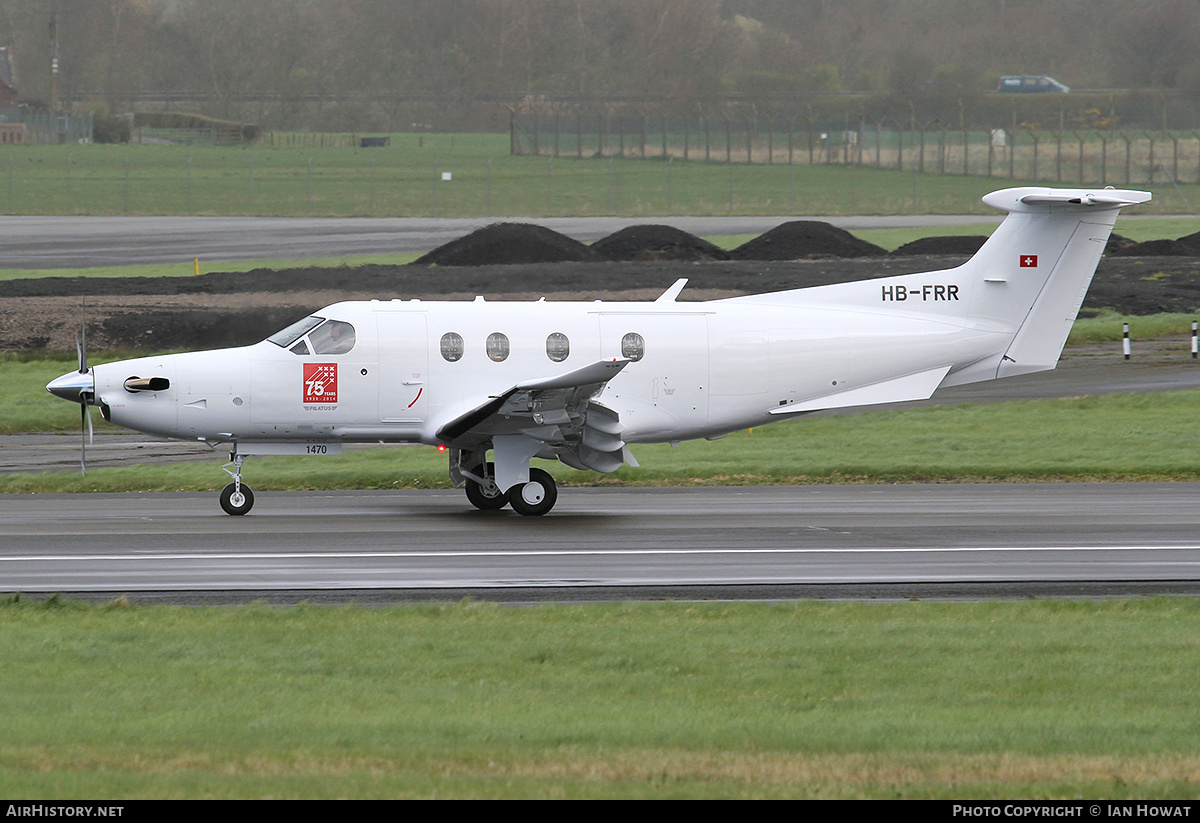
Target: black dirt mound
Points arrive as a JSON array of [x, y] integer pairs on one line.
[[950, 244], [657, 243], [1191, 240], [508, 243], [1157, 248], [195, 328], [802, 239], [1116, 243]]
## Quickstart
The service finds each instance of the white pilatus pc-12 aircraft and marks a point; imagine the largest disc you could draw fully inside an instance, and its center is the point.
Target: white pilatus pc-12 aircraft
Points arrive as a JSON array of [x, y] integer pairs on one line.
[[581, 381]]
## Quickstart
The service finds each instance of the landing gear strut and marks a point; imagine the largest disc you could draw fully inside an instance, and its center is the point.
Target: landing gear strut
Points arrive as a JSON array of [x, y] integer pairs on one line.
[[487, 495], [236, 498]]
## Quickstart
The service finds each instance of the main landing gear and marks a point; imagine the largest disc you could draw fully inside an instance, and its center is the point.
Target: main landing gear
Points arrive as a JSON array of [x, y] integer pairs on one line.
[[531, 499], [236, 498]]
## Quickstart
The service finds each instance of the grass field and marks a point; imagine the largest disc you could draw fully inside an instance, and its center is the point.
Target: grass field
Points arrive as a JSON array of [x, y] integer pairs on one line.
[[1027, 699], [406, 180]]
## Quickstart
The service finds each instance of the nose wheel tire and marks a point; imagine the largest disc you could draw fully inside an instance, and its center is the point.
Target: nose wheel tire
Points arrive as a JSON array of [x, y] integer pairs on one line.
[[535, 497], [237, 501], [489, 497]]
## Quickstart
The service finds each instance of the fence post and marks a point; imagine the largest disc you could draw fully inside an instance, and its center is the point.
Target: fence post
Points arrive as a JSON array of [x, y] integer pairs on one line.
[[749, 141], [1079, 137], [1103, 159], [1150, 171], [1128, 153], [670, 169], [1035, 154], [1196, 134], [642, 117], [556, 129]]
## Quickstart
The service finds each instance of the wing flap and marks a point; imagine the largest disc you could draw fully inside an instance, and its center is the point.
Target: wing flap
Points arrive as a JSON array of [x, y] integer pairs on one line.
[[555, 416]]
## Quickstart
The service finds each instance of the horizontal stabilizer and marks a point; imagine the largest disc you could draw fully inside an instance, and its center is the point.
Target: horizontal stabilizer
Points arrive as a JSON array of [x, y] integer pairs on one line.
[[918, 386]]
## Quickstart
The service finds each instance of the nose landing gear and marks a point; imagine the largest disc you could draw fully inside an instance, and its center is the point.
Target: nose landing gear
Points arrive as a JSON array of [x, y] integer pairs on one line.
[[236, 498]]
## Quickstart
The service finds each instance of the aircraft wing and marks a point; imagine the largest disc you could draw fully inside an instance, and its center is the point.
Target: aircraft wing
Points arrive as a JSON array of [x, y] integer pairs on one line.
[[554, 416]]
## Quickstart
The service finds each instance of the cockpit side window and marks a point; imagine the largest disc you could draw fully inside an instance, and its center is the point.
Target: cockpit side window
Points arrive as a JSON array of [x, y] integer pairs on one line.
[[332, 337], [286, 337]]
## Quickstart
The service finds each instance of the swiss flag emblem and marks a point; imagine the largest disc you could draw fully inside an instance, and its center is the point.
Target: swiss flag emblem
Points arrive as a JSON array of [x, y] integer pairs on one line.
[[320, 382], [1029, 261]]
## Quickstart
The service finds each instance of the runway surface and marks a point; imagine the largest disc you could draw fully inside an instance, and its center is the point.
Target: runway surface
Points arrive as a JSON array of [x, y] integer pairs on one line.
[[828, 541]]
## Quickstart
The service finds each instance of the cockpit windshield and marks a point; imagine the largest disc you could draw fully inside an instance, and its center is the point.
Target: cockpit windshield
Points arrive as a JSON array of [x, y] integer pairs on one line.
[[316, 335], [294, 332]]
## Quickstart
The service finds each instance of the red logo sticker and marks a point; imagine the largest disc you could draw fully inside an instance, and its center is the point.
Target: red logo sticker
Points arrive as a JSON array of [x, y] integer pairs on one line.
[[1029, 261], [320, 382]]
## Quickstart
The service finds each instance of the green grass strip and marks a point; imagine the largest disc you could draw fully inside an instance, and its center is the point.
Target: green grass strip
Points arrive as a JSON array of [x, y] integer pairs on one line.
[[406, 179], [1058, 699]]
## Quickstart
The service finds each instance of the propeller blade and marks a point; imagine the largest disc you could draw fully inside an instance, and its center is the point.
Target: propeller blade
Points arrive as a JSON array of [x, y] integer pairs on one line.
[[85, 423], [86, 433], [81, 349]]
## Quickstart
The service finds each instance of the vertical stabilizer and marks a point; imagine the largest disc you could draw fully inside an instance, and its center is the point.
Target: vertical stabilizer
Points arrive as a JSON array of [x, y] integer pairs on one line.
[[1036, 268]]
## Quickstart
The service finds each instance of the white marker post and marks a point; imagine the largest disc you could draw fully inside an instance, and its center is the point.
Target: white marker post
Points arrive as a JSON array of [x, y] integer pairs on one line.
[[1125, 342], [1195, 347]]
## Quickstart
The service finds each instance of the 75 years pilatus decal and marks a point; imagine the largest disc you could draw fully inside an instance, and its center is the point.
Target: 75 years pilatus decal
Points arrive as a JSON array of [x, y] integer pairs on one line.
[[320, 383]]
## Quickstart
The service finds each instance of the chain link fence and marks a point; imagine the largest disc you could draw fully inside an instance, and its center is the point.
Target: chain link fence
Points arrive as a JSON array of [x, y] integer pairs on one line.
[[1085, 156]]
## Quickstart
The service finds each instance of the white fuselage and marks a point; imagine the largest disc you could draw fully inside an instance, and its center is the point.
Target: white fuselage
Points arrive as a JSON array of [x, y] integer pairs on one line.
[[704, 369]]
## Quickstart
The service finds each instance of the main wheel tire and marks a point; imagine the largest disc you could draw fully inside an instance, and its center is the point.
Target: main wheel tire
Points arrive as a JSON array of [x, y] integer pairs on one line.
[[536, 497], [486, 498], [239, 502]]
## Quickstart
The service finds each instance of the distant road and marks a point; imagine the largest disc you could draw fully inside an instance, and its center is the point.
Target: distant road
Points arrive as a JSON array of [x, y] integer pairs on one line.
[[81, 242]]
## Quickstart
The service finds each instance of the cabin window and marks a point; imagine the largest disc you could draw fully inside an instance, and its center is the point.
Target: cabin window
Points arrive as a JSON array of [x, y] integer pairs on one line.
[[497, 346], [558, 347], [332, 337], [452, 346], [633, 347]]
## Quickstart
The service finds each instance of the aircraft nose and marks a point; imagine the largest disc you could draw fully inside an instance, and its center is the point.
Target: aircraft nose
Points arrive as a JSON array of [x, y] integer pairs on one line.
[[72, 385]]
